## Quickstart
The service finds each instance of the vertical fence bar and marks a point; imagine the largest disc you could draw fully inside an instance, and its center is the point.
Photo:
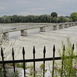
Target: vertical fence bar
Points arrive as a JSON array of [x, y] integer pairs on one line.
[[23, 52], [63, 53], [34, 59], [13, 59], [71, 60], [73, 47], [44, 51], [73, 50], [53, 60], [3, 64]]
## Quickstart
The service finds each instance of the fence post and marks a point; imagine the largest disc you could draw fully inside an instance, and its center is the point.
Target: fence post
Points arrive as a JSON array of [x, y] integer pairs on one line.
[[34, 59], [53, 60], [62, 60], [44, 51], [73, 50], [3, 64], [23, 52], [71, 60], [73, 47], [13, 59]]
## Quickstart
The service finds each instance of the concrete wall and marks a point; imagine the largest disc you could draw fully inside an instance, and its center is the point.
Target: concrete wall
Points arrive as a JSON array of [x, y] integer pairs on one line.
[[42, 29], [24, 33], [54, 27], [5, 36], [70, 24], [0, 39], [66, 26], [75, 23], [61, 26]]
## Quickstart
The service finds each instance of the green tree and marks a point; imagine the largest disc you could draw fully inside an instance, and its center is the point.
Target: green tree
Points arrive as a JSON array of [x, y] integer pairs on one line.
[[63, 19], [43, 18], [14, 18], [60, 19], [54, 14], [5, 19], [73, 16]]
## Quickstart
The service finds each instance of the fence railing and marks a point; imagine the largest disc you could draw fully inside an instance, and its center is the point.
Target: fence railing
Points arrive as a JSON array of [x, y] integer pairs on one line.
[[34, 60]]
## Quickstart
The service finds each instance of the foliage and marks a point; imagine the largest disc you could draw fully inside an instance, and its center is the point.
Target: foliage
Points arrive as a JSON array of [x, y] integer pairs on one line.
[[1, 73], [62, 19], [53, 18], [68, 69], [38, 71], [19, 65], [54, 14], [8, 73], [73, 16]]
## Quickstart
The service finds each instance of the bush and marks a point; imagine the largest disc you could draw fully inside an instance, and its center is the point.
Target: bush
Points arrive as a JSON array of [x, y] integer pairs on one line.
[[67, 67]]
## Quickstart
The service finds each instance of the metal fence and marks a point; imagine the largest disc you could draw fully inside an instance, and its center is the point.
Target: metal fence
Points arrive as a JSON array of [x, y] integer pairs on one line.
[[34, 60]]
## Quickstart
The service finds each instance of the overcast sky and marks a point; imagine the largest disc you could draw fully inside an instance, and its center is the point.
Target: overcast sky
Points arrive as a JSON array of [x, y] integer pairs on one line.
[[37, 7]]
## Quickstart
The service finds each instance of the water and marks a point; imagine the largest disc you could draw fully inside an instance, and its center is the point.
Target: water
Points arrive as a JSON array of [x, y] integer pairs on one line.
[[39, 40]]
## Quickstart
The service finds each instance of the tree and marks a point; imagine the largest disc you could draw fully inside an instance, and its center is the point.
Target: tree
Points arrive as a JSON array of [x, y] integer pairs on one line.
[[73, 16], [54, 14], [60, 19], [42, 18], [14, 18]]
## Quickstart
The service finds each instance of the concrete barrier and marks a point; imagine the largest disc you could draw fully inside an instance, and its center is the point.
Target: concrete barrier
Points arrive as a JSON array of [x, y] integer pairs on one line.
[[66, 25], [70, 25], [0, 39], [42, 29], [5, 36], [54, 27], [75, 23], [24, 33], [61, 26]]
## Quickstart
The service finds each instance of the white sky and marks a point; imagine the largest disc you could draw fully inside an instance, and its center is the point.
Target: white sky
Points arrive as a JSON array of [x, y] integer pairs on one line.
[[37, 7]]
